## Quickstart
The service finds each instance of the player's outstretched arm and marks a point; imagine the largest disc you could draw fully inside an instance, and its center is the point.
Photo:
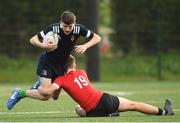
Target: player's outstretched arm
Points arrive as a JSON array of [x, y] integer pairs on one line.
[[82, 48]]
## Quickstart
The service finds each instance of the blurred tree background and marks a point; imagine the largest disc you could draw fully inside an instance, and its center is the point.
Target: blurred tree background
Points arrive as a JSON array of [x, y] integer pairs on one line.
[[135, 25], [130, 31]]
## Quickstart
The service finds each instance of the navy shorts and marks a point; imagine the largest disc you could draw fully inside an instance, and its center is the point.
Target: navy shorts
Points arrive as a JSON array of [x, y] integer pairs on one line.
[[107, 105], [50, 70]]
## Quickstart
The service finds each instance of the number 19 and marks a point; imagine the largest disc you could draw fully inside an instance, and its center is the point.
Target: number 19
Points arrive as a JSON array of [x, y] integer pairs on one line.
[[81, 81]]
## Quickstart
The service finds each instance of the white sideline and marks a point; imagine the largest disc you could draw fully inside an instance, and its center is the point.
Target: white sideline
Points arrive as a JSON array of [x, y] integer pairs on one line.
[[47, 112], [44, 112]]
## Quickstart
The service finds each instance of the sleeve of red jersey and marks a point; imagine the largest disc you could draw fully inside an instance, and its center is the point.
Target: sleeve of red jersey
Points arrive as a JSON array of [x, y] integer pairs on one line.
[[58, 82]]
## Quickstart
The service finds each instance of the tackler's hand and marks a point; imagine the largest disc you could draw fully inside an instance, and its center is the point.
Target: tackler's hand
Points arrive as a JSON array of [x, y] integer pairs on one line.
[[80, 48]]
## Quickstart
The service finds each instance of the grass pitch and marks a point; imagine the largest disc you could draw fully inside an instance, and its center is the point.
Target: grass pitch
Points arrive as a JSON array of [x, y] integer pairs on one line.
[[62, 110]]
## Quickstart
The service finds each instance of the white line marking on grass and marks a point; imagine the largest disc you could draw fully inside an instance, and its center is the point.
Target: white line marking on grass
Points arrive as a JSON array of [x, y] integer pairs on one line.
[[47, 112], [176, 109], [120, 93]]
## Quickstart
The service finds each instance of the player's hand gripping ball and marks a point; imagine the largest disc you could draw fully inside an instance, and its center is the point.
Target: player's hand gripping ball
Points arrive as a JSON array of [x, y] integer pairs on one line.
[[51, 37]]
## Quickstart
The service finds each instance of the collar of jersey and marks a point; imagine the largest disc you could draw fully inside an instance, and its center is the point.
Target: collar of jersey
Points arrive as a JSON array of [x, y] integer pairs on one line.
[[70, 70], [60, 25]]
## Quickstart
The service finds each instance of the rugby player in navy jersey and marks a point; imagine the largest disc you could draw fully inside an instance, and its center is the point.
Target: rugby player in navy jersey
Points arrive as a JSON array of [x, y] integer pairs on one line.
[[53, 62]]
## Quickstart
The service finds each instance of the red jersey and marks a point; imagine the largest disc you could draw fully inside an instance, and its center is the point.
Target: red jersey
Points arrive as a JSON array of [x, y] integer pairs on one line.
[[77, 85]]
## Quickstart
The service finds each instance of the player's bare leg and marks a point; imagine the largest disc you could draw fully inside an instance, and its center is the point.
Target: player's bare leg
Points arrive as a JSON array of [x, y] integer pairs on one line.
[[35, 95], [127, 105], [45, 82], [18, 94]]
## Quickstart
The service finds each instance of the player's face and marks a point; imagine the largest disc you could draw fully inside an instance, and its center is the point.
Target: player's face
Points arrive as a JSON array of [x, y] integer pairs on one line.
[[67, 28]]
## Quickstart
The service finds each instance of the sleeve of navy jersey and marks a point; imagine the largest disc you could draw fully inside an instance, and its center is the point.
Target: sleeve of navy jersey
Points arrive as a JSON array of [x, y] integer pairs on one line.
[[42, 34], [83, 31]]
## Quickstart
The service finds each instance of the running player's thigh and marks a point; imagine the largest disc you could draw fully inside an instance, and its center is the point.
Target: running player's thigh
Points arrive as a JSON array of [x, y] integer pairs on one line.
[[124, 104], [45, 82]]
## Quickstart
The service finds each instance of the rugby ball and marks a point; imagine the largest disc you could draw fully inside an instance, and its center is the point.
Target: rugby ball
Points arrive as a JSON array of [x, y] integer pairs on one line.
[[51, 37]]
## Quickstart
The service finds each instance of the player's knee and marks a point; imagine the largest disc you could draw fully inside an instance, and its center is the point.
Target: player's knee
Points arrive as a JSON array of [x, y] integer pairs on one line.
[[80, 111], [132, 105]]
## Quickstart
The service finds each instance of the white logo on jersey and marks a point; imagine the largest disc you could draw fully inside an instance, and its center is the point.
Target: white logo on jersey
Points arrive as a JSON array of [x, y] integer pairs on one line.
[[44, 72]]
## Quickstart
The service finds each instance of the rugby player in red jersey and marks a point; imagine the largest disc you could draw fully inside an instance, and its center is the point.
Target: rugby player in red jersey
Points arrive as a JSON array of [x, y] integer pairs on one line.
[[95, 103]]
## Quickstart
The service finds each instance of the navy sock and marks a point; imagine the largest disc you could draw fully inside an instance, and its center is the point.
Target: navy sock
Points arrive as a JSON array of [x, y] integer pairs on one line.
[[162, 111]]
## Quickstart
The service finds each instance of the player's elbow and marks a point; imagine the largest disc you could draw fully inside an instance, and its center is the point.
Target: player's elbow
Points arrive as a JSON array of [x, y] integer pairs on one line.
[[98, 38], [31, 40], [34, 39]]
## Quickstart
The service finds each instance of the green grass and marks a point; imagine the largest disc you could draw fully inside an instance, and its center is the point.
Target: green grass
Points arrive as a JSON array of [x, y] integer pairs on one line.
[[30, 110], [140, 68]]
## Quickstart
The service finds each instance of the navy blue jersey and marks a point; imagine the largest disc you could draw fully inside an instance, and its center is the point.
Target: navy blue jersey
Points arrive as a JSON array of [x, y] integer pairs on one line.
[[66, 42]]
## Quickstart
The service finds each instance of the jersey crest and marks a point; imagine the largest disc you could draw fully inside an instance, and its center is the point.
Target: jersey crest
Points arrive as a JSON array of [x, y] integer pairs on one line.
[[72, 38]]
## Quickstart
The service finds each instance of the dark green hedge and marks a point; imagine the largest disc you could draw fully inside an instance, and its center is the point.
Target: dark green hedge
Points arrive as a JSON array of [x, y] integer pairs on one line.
[[135, 25]]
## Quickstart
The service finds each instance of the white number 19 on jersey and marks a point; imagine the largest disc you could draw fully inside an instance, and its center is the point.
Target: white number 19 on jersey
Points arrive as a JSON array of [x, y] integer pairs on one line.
[[81, 81]]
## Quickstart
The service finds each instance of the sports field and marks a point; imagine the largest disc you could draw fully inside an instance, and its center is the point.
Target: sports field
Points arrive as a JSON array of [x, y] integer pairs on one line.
[[62, 110]]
